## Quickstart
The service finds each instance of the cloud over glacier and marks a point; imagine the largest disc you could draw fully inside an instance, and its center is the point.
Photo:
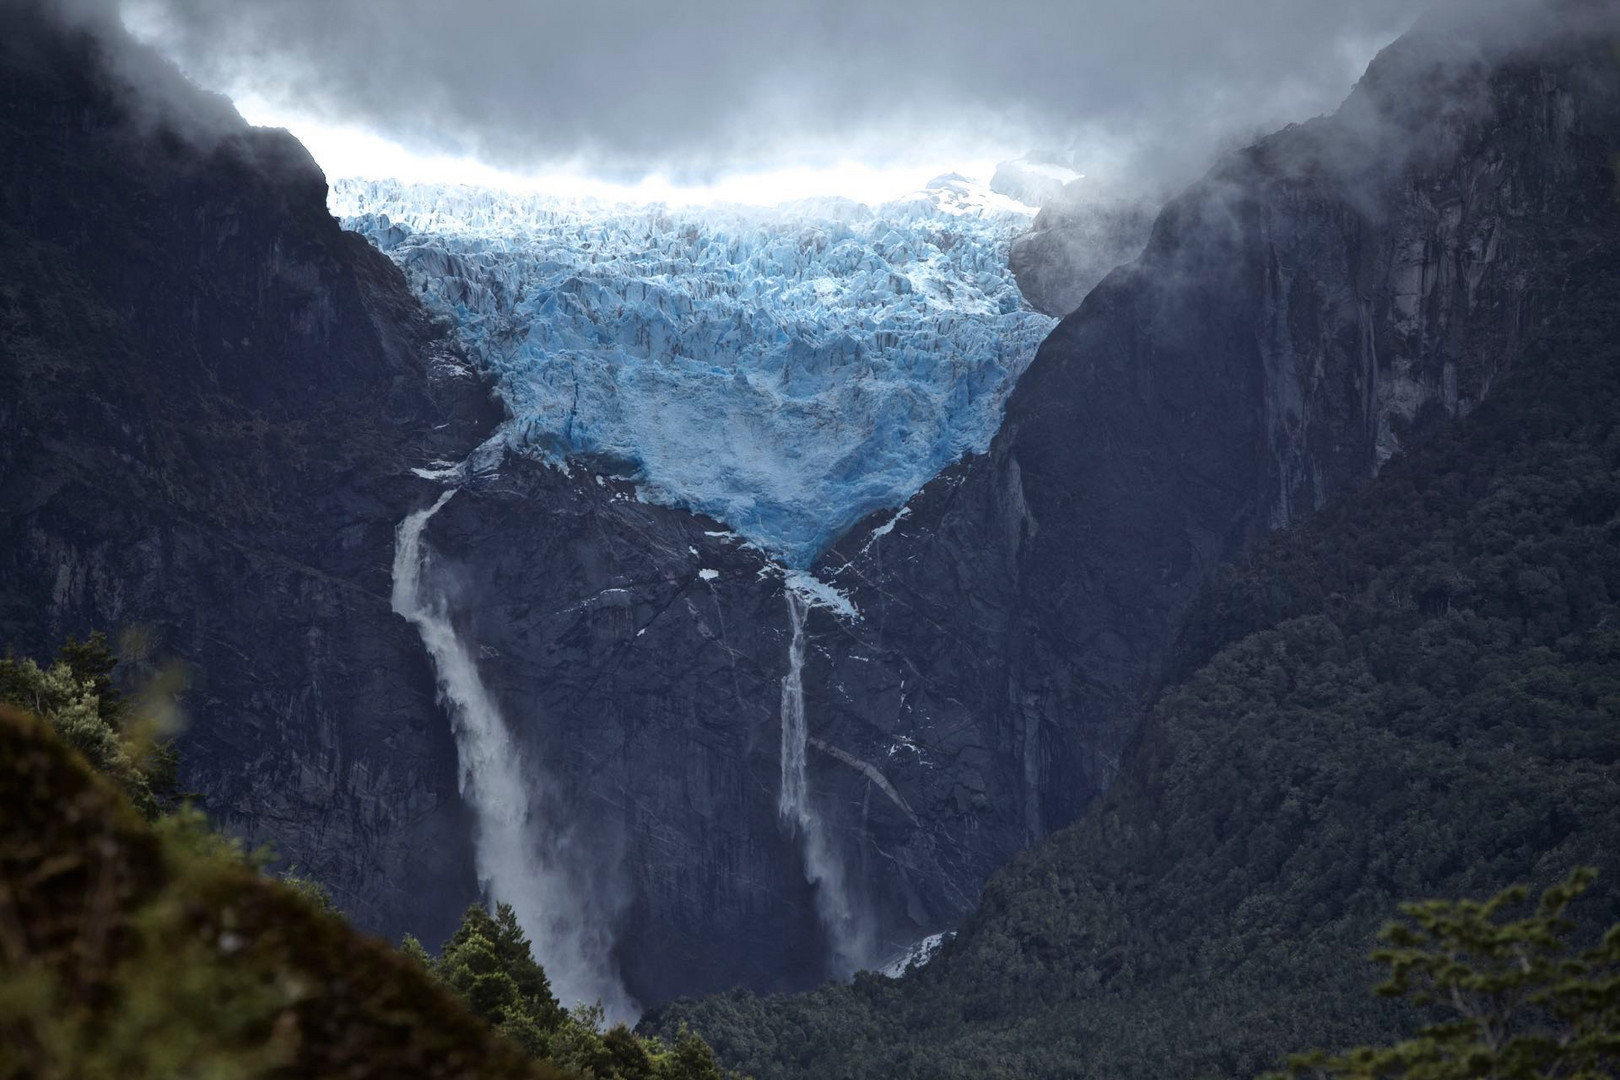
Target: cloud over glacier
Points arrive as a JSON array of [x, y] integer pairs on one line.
[[627, 87]]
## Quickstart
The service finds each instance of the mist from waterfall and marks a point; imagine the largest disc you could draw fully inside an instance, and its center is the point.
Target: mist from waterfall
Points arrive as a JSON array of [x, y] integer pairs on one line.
[[521, 859], [849, 940]]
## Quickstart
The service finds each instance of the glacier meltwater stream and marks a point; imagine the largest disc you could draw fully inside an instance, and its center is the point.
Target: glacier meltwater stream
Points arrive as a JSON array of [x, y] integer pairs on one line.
[[786, 370]]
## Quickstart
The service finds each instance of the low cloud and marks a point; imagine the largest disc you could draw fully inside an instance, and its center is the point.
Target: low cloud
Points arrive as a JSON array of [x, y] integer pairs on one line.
[[1144, 93], [153, 88], [623, 88]]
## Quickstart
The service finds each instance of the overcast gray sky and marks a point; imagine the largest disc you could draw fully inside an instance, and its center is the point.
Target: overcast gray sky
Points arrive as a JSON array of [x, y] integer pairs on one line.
[[621, 88]]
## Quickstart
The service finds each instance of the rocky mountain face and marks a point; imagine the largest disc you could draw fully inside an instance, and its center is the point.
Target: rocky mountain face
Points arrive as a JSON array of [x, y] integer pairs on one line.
[[639, 655], [1314, 303], [214, 400], [1317, 301], [210, 400], [1405, 696]]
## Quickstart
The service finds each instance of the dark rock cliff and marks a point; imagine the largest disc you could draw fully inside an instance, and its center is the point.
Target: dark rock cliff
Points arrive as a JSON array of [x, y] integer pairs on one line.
[[210, 397], [645, 694]]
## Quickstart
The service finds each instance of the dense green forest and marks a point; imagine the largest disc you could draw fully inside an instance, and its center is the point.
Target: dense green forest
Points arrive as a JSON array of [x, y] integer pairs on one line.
[[136, 942], [1417, 693]]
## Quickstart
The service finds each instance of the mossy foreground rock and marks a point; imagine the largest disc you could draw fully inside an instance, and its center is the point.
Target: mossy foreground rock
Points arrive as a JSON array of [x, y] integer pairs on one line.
[[128, 950]]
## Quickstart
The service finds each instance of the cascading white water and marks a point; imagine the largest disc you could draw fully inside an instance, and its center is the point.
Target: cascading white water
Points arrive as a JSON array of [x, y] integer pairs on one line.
[[850, 940], [571, 932], [792, 803]]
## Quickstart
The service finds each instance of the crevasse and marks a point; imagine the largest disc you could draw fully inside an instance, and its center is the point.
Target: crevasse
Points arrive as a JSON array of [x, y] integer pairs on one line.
[[785, 370]]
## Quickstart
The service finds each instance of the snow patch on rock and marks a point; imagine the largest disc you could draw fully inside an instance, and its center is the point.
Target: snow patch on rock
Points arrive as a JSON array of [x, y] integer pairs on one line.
[[915, 955]]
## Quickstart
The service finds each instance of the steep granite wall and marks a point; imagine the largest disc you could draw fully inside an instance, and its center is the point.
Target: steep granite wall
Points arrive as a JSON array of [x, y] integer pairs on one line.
[[210, 397]]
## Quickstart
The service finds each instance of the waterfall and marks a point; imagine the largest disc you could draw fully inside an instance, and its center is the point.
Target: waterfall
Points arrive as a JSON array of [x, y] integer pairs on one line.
[[517, 862], [848, 938], [793, 803]]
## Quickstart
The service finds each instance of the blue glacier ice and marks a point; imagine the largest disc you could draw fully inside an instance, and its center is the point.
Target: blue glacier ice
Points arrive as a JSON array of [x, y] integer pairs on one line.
[[785, 370]]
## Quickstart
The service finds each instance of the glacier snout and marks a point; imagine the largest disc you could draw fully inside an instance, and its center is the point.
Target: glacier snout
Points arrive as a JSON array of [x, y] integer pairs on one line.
[[785, 370]]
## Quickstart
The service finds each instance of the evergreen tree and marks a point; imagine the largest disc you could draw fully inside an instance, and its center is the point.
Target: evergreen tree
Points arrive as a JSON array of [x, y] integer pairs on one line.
[[517, 959], [469, 965], [692, 1059], [489, 963], [1512, 1002], [627, 1056], [312, 890], [76, 695], [412, 948], [93, 663]]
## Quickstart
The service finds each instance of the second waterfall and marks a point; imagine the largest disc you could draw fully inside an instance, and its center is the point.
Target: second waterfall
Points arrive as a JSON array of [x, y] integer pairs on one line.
[[849, 941]]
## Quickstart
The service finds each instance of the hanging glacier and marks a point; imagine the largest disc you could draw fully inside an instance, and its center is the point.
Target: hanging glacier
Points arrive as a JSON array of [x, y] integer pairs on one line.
[[785, 370]]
